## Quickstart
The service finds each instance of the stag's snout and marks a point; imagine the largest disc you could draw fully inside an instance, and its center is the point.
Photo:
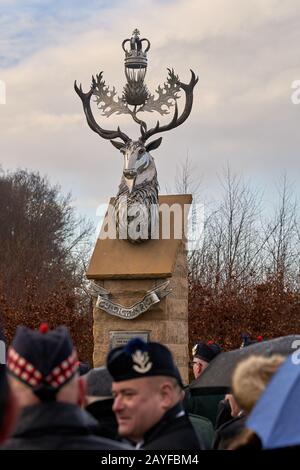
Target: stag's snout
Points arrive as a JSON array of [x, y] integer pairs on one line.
[[130, 174]]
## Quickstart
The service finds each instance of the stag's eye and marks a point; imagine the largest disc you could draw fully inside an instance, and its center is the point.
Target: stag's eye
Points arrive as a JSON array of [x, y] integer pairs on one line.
[[141, 152]]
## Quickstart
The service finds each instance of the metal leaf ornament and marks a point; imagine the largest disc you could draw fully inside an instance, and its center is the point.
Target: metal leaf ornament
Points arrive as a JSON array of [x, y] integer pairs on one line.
[[167, 95], [141, 362], [105, 98]]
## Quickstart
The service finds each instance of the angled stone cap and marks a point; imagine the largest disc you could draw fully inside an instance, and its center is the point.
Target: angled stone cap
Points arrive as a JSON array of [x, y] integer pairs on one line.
[[119, 259]]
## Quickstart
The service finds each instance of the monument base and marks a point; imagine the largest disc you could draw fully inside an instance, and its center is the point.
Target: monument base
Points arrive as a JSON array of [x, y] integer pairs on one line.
[[166, 321]]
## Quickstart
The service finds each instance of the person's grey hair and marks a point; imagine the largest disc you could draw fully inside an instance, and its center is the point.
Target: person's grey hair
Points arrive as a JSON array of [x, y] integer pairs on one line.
[[98, 383]]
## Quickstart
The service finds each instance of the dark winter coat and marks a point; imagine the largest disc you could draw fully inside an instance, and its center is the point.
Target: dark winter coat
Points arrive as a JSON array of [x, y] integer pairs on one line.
[[102, 411], [173, 432], [228, 432], [57, 425]]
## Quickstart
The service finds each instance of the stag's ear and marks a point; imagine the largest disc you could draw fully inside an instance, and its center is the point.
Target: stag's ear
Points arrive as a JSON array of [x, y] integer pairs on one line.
[[118, 145], [154, 144]]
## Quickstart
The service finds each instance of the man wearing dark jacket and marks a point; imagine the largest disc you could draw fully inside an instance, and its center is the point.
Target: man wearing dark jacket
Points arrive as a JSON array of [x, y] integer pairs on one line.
[[202, 405], [148, 393], [99, 401], [44, 377]]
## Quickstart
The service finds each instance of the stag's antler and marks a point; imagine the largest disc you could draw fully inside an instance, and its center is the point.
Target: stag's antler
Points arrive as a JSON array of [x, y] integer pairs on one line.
[[86, 103], [176, 121]]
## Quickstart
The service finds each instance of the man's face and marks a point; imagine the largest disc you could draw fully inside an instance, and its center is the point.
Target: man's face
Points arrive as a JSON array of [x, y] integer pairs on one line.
[[138, 405], [198, 366]]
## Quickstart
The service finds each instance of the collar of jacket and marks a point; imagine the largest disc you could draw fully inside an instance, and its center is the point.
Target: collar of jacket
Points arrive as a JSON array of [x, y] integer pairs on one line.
[[101, 408], [172, 414], [54, 418]]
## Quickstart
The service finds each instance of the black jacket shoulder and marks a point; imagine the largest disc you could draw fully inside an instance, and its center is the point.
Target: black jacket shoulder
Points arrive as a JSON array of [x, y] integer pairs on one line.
[[57, 425], [173, 432]]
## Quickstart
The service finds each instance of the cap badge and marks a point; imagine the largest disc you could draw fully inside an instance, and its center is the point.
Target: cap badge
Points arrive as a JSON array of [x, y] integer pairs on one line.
[[141, 361], [194, 350]]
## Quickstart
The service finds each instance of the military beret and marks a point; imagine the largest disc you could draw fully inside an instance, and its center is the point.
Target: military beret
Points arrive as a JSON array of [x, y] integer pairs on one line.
[[43, 360], [206, 351], [248, 341], [139, 359]]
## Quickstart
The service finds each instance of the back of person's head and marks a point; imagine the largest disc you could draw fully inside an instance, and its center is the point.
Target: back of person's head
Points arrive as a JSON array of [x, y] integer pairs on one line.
[[251, 378], [43, 366], [98, 383]]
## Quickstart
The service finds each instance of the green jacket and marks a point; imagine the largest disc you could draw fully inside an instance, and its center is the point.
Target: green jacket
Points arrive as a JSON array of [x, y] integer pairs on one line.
[[202, 405], [204, 429]]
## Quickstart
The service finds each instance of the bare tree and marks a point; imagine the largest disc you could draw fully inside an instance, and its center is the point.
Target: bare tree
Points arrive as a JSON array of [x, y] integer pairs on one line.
[[42, 241], [244, 277], [283, 242], [230, 246]]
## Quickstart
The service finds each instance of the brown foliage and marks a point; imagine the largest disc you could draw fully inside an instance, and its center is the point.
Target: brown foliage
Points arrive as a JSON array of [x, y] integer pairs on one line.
[[59, 308], [263, 309], [43, 247], [42, 240], [244, 275]]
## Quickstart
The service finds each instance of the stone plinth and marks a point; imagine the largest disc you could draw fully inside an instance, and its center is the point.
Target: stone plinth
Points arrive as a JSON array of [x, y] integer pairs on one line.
[[127, 272]]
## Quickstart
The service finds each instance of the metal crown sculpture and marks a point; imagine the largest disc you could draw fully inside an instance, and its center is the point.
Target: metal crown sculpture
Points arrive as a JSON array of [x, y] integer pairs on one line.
[[136, 204]]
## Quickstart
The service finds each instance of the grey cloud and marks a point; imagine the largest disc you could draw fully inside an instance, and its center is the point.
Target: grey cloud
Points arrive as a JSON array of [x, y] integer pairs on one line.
[[246, 58]]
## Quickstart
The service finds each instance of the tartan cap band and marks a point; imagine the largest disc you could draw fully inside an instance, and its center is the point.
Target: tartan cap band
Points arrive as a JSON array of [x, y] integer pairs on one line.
[[27, 373]]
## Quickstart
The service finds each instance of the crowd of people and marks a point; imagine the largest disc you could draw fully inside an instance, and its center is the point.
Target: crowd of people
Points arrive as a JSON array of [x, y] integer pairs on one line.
[[49, 401]]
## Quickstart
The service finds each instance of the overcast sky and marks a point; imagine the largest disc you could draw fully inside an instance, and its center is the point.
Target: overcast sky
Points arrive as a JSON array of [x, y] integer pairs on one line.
[[246, 53]]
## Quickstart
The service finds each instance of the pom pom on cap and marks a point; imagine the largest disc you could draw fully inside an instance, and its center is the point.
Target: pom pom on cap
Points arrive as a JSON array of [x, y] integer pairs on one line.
[[44, 328]]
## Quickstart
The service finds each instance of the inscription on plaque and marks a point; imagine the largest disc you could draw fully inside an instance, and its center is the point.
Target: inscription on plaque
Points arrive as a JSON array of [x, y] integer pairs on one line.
[[120, 338]]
